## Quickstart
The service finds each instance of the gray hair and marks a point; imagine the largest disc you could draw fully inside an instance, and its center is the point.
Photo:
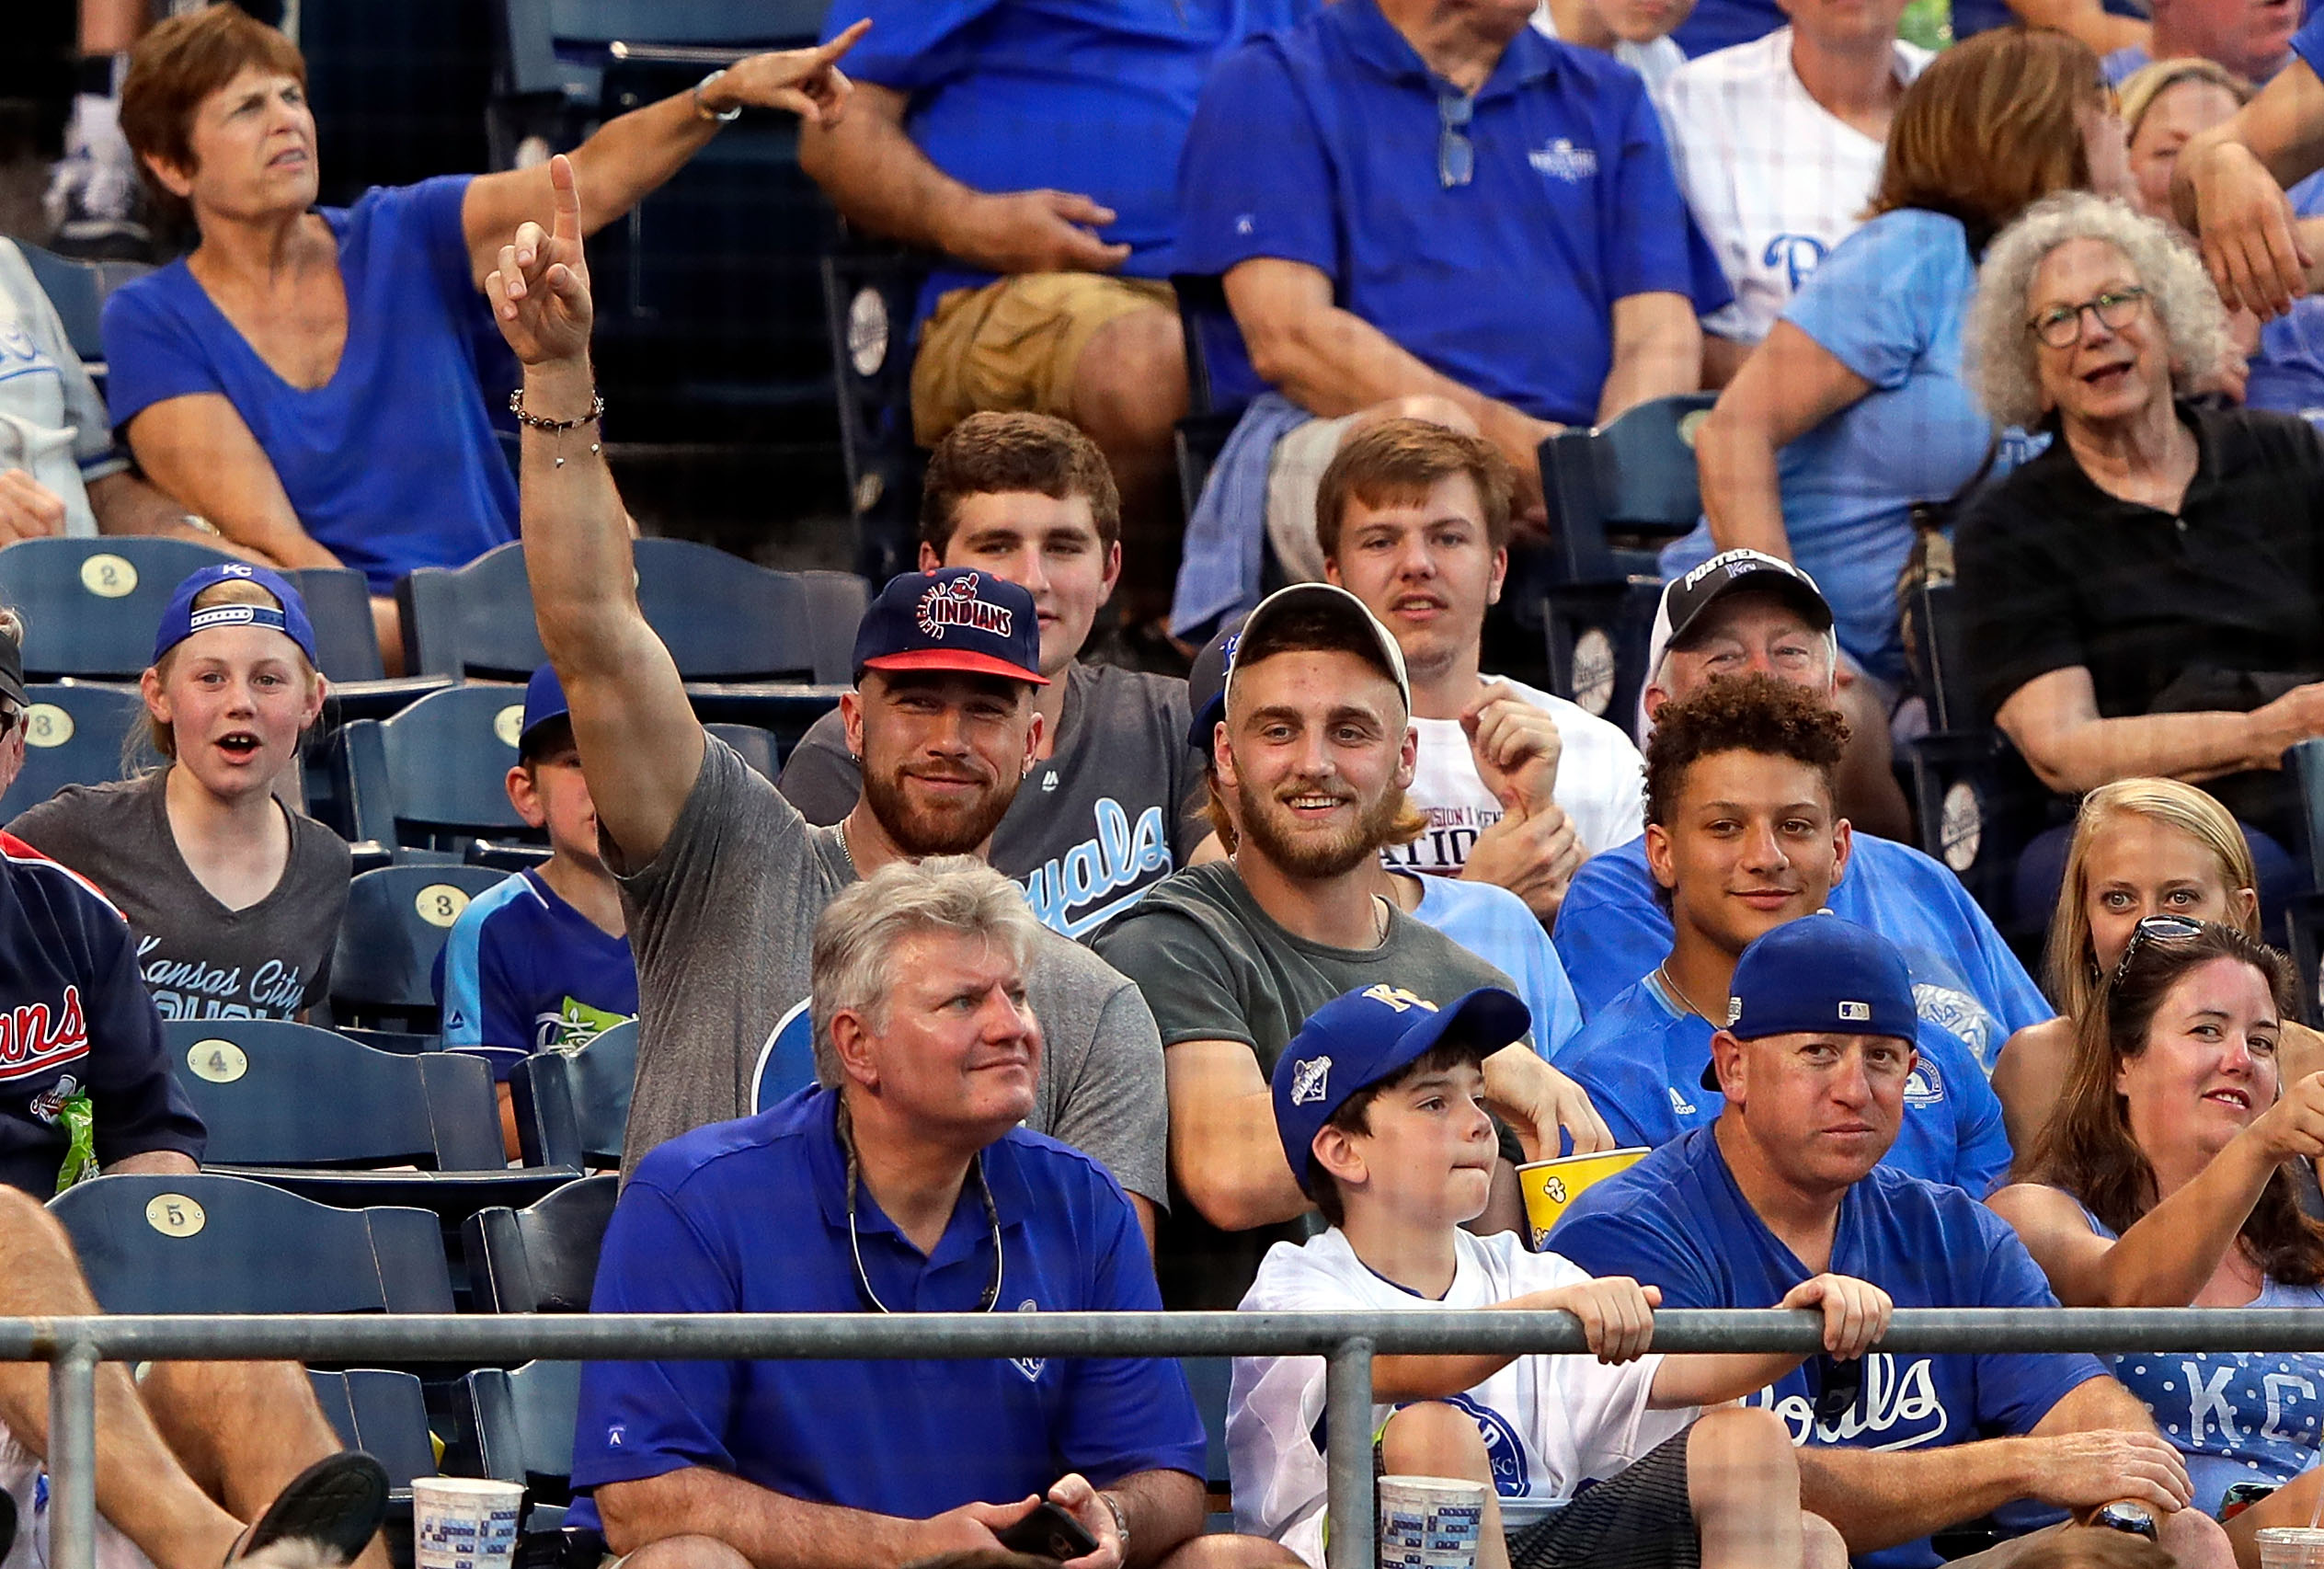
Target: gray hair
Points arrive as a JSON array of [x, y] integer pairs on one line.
[[1998, 350], [853, 965]]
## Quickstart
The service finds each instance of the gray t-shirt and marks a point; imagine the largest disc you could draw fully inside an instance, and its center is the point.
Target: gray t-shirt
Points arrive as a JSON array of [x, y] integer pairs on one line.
[[1094, 826], [199, 960], [722, 921], [1216, 967]]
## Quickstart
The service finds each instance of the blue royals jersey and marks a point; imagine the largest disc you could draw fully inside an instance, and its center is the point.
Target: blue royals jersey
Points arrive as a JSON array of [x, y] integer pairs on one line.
[[1678, 1220], [523, 971], [1641, 1059]]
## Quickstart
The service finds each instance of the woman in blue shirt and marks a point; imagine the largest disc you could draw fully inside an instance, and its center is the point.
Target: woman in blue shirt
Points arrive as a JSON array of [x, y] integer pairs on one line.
[[2161, 1182], [308, 379], [1852, 409]]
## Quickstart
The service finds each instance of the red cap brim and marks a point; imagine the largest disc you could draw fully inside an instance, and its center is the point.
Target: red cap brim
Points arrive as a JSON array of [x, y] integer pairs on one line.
[[961, 659]]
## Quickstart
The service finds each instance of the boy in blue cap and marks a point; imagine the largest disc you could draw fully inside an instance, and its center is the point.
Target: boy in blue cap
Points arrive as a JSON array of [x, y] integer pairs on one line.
[[1378, 1102], [540, 963]]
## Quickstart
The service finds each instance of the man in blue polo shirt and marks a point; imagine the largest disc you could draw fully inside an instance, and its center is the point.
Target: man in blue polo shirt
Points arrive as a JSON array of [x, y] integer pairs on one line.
[[1788, 1185], [1743, 836], [1438, 211], [902, 1184], [1739, 612]]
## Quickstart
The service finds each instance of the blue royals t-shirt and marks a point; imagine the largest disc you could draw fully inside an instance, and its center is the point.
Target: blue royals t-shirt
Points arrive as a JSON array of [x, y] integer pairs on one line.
[[523, 971], [1678, 1220], [1323, 144], [392, 463], [751, 1216], [1641, 1057], [1612, 931]]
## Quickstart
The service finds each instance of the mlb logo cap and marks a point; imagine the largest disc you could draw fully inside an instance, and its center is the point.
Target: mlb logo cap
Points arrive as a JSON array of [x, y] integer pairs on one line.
[[956, 618], [1819, 975], [1364, 1036], [181, 621]]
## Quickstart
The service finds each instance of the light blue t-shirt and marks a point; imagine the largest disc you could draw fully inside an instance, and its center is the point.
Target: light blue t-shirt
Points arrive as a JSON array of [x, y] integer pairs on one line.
[[1641, 1059], [393, 463], [1612, 930], [1494, 925], [1888, 304]]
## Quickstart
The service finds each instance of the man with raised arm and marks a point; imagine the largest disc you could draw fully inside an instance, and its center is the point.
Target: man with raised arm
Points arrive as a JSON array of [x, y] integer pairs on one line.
[[721, 878]]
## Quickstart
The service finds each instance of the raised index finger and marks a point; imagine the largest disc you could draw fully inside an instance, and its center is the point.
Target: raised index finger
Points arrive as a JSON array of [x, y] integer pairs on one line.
[[825, 54], [565, 199]]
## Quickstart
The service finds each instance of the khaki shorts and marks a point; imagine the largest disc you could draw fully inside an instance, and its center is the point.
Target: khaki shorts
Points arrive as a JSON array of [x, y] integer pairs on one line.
[[1293, 472], [1013, 344]]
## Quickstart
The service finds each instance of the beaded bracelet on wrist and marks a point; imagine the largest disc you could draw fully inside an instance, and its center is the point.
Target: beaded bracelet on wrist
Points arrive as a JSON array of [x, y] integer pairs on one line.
[[557, 428]]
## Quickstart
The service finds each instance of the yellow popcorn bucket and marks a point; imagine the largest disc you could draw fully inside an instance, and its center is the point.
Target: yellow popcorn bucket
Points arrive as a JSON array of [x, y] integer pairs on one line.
[[1550, 1185]]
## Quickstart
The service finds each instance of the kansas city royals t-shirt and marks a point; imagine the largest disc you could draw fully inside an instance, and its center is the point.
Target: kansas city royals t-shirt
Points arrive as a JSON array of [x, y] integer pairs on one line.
[[1678, 1220], [1094, 826], [1641, 1057], [1612, 931], [523, 971]]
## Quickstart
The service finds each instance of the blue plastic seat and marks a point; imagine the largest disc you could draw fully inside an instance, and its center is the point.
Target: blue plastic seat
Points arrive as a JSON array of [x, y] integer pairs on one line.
[[542, 1258], [573, 1108], [384, 1415], [435, 775], [398, 918], [78, 288], [75, 734], [520, 1421]]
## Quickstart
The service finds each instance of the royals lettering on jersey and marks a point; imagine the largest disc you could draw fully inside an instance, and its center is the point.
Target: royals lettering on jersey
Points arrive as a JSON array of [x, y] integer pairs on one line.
[[1070, 893]]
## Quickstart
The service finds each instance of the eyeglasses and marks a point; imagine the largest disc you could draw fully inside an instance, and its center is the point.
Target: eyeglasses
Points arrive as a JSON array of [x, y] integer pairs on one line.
[[1456, 155], [1839, 1386], [2153, 929], [2060, 325]]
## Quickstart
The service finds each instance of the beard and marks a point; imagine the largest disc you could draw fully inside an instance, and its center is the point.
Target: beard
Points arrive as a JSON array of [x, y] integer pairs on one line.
[[1269, 826], [921, 831]]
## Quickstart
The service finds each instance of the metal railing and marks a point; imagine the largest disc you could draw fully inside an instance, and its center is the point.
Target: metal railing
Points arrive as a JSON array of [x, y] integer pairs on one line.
[[74, 1346]]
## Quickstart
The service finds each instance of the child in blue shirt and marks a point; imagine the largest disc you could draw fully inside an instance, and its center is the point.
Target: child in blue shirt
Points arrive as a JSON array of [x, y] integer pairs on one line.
[[1378, 1101], [540, 963]]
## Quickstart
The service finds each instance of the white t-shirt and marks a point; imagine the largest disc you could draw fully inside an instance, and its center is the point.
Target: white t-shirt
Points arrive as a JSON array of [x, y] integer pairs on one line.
[[1601, 785], [1549, 1422], [52, 424], [1774, 177], [1655, 60]]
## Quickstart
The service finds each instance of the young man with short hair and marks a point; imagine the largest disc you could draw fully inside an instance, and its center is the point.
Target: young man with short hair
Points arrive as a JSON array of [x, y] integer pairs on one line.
[[1233, 955], [1743, 612], [1742, 836], [1379, 1102], [1101, 818], [1518, 786], [1788, 1182]]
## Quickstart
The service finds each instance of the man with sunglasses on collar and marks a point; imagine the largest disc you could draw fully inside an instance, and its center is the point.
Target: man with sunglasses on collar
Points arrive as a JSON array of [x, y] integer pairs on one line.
[[902, 1184], [1815, 1064]]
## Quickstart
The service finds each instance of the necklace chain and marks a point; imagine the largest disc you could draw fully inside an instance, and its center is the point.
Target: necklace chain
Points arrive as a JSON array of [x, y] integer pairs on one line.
[[1679, 992]]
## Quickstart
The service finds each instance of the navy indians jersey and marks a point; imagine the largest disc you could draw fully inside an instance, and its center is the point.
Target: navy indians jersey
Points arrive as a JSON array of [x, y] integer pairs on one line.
[[75, 1018]]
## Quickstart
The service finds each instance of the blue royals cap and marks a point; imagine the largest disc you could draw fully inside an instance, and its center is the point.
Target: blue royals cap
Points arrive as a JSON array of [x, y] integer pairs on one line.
[[181, 621], [1359, 1038], [956, 618], [1819, 974], [544, 701]]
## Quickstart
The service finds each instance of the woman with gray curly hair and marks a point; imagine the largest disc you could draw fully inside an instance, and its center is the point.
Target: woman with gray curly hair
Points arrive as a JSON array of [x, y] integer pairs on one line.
[[2144, 598]]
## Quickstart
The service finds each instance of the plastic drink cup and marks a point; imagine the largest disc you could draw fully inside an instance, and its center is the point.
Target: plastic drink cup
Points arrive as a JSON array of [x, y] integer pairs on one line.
[[1429, 1522], [461, 1522], [1550, 1186], [2291, 1547]]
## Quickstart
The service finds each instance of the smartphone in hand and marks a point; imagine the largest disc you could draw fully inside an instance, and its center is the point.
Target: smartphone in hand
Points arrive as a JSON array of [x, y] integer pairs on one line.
[[1050, 1532]]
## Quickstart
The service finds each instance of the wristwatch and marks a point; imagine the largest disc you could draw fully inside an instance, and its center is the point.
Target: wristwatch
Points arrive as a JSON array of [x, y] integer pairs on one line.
[[1121, 1521], [2135, 1519], [724, 116]]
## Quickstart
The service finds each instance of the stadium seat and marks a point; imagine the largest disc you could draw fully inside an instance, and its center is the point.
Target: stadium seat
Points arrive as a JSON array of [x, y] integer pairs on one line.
[[542, 1258], [435, 775], [758, 746], [1208, 1376], [1615, 495], [398, 918], [520, 1421], [338, 602], [572, 1108], [2303, 765], [871, 297], [75, 734], [210, 1243], [77, 290], [1219, 380], [384, 1414], [90, 605]]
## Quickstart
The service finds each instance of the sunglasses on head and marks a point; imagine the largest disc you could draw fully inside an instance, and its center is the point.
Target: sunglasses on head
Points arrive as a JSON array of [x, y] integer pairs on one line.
[[2153, 929], [1837, 1386]]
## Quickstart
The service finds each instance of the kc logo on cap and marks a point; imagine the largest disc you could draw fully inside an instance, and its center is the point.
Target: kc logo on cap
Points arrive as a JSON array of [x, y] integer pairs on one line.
[[1309, 1079]]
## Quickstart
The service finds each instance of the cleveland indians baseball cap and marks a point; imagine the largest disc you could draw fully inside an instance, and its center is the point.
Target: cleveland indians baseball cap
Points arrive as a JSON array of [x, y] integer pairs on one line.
[[1687, 597], [1819, 975], [181, 621], [958, 618], [1357, 1039]]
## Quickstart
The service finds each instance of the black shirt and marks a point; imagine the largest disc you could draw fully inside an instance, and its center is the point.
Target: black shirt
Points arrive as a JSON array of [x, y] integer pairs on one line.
[[2054, 572]]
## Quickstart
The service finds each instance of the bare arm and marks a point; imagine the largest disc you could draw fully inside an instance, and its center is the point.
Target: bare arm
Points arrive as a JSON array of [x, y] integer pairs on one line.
[[2053, 720], [883, 183], [641, 746], [1223, 1145], [2227, 185], [774, 1531], [197, 448], [1789, 385], [125, 504], [154, 1163], [632, 156], [2088, 20], [2170, 1254], [1657, 351], [1331, 362]]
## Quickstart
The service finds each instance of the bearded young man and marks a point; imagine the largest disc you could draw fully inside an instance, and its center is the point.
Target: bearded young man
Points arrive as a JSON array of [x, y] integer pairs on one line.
[[1317, 747]]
